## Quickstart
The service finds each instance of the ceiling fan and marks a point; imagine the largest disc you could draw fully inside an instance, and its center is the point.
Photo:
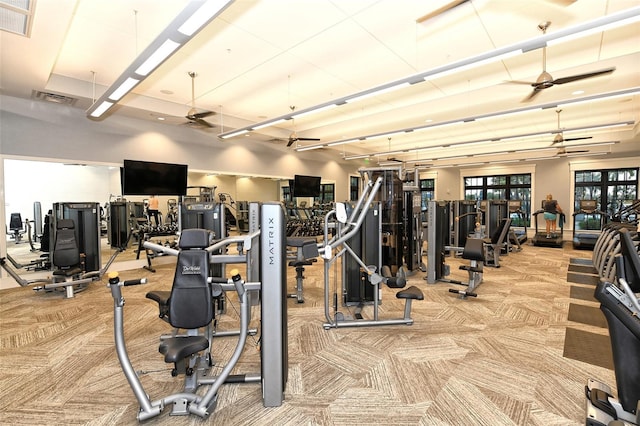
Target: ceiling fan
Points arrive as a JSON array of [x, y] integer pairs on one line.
[[293, 137], [193, 115], [559, 140], [545, 80], [559, 137]]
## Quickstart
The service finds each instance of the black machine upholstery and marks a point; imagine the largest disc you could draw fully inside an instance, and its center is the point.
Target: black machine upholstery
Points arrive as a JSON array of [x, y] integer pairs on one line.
[[624, 330], [493, 246], [631, 270], [16, 227], [66, 254], [189, 304], [190, 300], [474, 249]]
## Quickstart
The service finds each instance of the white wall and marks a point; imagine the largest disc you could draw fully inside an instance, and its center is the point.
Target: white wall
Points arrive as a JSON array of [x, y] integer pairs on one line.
[[48, 183]]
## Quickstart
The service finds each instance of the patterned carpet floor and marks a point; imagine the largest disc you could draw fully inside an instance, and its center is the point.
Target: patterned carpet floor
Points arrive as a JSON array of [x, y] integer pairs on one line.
[[498, 359]]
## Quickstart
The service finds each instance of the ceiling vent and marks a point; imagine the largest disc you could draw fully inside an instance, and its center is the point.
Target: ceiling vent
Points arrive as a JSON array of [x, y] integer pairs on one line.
[[54, 97], [16, 16]]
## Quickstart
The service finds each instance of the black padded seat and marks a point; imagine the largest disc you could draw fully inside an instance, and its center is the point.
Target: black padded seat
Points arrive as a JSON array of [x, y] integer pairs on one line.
[[307, 247], [412, 292], [178, 348], [474, 249]]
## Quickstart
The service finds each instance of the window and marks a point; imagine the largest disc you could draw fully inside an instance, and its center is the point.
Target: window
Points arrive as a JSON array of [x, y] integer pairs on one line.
[[327, 194], [611, 189], [354, 188], [501, 187]]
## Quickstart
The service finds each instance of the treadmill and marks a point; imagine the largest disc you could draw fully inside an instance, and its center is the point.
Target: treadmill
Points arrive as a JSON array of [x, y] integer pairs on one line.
[[518, 222], [587, 231], [540, 238]]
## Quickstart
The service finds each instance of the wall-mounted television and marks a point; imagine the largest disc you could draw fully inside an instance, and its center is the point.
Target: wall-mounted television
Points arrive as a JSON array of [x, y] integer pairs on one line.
[[306, 186], [149, 178]]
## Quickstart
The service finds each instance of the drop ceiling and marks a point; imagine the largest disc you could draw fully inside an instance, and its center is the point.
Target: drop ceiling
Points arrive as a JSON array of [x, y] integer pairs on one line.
[[262, 58]]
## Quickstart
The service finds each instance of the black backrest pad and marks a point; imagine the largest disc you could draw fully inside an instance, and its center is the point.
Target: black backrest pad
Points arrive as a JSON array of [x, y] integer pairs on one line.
[[498, 232], [15, 222], [195, 238], [190, 304], [65, 248]]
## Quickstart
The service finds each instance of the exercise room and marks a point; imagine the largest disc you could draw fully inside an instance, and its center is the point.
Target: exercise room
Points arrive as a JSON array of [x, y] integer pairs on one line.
[[258, 212]]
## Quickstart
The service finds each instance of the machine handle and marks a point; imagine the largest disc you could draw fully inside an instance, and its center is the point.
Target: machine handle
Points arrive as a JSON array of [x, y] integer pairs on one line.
[[134, 282], [114, 280]]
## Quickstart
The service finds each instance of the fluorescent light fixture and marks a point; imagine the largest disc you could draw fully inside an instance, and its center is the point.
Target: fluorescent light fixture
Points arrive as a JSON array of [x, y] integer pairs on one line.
[[342, 142], [101, 109], [433, 126], [377, 91], [309, 148], [600, 126], [124, 88], [195, 15], [615, 20], [268, 123], [469, 63], [209, 10], [157, 57], [509, 113], [385, 135], [313, 111], [602, 97], [236, 133], [625, 17]]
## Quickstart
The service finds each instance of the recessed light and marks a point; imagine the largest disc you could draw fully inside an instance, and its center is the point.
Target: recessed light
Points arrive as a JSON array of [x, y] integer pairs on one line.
[[161, 118], [578, 92]]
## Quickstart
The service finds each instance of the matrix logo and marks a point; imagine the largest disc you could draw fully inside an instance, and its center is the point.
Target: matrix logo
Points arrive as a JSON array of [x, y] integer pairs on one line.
[[191, 269]]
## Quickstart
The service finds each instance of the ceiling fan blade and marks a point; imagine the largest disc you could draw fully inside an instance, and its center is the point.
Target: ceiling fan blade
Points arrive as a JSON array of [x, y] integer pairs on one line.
[[578, 139], [307, 139], [532, 95], [577, 77], [527, 83], [204, 123], [203, 114], [440, 10], [291, 142]]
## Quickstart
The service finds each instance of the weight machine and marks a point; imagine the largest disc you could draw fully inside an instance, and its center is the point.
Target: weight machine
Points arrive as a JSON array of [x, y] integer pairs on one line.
[[265, 258], [356, 249]]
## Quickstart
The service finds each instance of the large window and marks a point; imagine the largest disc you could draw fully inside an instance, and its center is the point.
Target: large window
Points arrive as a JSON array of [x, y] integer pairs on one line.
[[354, 188], [501, 187], [610, 188], [327, 194]]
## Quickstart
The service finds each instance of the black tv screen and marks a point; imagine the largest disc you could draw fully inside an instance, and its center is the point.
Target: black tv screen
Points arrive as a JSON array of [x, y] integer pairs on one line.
[[149, 178], [306, 186]]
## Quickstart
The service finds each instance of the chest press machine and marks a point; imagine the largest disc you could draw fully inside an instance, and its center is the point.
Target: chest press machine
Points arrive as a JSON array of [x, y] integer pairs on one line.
[[190, 307]]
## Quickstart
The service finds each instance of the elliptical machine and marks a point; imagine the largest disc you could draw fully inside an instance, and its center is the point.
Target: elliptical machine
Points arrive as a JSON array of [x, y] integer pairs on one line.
[[621, 308]]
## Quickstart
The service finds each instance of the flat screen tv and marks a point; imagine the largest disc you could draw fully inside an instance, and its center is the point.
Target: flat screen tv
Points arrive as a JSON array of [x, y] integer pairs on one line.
[[306, 186], [149, 178]]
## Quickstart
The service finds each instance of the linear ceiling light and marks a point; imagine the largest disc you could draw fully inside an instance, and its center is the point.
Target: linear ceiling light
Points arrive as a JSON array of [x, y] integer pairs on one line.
[[601, 96], [195, 16], [486, 140], [620, 18], [511, 151]]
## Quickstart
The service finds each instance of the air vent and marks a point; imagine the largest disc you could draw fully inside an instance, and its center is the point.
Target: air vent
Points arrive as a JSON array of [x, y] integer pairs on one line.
[[54, 97]]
